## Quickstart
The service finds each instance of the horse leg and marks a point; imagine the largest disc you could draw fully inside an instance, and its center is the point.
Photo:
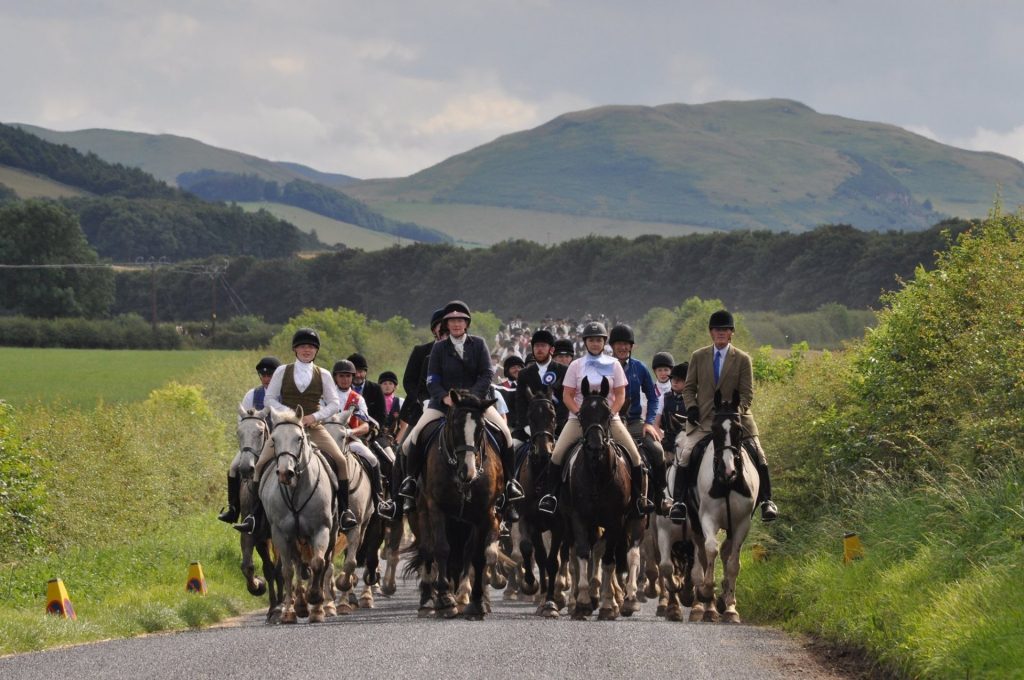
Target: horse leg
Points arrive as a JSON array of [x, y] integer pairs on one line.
[[584, 605], [549, 607], [426, 607], [630, 604], [288, 572], [444, 602], [706, 592], [526, 549], [394, 541], [320, 545], [481, 558], [370, 574], [732, 571], [608, 609]]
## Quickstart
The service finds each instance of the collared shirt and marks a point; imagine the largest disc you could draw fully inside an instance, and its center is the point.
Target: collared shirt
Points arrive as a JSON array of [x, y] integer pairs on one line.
[[459, 343], [724, 352], [361, 412], [303, 375], [594, 368]]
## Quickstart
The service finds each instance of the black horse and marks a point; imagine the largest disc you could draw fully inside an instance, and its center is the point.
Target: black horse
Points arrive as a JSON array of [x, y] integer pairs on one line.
[[457, 526]]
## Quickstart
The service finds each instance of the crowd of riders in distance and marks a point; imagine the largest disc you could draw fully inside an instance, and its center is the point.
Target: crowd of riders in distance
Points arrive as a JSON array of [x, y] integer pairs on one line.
[[658, 417]]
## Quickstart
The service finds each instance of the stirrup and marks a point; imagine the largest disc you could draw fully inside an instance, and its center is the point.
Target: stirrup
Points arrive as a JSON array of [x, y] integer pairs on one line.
[[677, 514], [247, 525], [769, 512], [644, 506], [386, 509], [548, 504], [348, 520], [408, 488], [514, 491]]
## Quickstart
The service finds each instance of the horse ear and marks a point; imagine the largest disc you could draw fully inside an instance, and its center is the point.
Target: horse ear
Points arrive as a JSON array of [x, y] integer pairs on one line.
[[263, 412], [585, 386], [604, 387], [736, 398], [241, 411], [530, 394], [298, 412], [718, 399], [547, 391]]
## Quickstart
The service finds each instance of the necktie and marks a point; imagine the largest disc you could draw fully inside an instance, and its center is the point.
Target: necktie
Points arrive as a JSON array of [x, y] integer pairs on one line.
[[718, 364]]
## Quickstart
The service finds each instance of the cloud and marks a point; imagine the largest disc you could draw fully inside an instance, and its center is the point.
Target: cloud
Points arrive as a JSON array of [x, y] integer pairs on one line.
[[1009, 143]]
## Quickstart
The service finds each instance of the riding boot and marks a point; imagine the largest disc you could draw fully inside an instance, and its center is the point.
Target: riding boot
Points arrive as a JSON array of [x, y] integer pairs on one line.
[[682, 481], [643, 505], [385, 506], [549, 503], [657, 482], [230, 514], [513, 490], [769, 512], [413, 463], [252, 520], [348, 518]]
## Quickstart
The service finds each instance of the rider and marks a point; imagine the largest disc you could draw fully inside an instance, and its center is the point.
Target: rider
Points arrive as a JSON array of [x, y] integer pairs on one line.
[[565, 352], [593, 366], [253, 400], [511, 368], [370, 390], [344, 372], [672, 409], [414, 380], [305, 384], [545, 372], [388, 382], [724, 368], [643, 408], [462, 361], [662, 364]]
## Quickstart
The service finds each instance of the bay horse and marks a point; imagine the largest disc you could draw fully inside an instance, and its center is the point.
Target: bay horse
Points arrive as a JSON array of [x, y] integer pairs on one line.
[[299, 504], [456, 523], [361, 503], [595, 506], [253, 432], [724, 498]]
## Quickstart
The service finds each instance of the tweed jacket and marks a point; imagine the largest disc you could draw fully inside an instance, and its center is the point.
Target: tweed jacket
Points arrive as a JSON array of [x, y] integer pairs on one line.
[[447, 371], [736, 373]]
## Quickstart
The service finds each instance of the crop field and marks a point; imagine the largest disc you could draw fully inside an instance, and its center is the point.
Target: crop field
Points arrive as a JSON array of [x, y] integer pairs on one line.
[[84, 377], [330, 231]]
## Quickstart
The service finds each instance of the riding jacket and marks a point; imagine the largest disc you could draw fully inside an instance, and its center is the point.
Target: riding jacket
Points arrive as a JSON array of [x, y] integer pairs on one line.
[[736, 373], [446, 370], [533, 378], [639, 377], [414, 383], [374, 397]]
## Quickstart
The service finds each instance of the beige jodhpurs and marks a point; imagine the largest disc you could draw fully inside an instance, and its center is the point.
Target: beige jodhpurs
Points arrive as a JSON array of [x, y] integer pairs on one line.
[[572, 432], [319, 435]]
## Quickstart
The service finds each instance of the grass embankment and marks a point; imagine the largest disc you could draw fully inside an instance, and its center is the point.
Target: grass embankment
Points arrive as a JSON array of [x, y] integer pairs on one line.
[[914, 439], [116, 501]]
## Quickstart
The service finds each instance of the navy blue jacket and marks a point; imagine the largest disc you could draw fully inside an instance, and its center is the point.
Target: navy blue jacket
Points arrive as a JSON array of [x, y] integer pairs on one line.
[[673, 404], [446, 371], [531, 378], [639, 377]]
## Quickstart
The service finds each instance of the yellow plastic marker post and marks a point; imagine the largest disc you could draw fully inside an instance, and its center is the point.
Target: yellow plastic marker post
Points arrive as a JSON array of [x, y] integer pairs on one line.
[[57, 600], [852, 548], [196, 580]]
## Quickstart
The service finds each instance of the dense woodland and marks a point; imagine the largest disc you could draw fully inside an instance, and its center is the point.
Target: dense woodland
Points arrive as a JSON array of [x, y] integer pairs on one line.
[[226, 186], [746, 270]]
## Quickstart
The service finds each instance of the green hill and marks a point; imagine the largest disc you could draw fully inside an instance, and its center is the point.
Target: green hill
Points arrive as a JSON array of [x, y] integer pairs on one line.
[[329, 231], [774, 164]]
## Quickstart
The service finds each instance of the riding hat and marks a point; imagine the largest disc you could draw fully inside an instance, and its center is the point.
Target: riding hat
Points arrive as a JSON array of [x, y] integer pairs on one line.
[[457, 309], [594, 329], [306, 336], [436, 317], [359, 361], [621, 333], [388, 376], [722, 319], [510, 361], [564, 347], [542, 335], [662, 360], [343, 366], [679, 371], [267, 365]]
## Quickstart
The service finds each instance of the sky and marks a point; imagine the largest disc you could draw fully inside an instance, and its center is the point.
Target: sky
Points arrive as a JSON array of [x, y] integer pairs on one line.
[[384, 89]]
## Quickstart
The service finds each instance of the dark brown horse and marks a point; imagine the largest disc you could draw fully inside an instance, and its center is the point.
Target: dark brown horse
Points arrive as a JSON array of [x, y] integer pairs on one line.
[[597, 498], [456, 524]]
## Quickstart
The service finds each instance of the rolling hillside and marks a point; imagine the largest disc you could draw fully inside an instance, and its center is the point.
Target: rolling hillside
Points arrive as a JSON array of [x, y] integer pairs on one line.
[[30, 185], [331, 232], [767, 164]]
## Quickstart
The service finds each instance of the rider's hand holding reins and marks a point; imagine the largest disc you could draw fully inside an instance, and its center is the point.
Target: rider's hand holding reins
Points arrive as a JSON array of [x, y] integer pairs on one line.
[[308, 420]]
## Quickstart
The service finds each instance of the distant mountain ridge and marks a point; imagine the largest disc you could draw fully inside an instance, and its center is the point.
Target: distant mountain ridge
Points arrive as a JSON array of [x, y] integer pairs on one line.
[[767, 164]]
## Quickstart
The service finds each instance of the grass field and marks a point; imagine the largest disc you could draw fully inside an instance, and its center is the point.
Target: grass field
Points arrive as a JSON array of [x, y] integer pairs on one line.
[[329, 231], [83, 377], [28, 185]]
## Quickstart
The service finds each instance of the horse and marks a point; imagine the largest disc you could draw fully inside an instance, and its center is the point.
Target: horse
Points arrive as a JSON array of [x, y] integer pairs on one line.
[[299, 504], [358, 551], [595, 506], [724, 497], [456, 523], [253, 432], [384, 531]]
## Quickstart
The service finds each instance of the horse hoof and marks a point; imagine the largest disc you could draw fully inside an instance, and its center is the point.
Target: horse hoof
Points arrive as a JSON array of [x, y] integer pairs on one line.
[[289, 618], [674, 613], [330, 610], [474, 612], [529, 588], [696, 613], [305, 572], [425, 612], [651, 590], [316, 616], [352, 600], [661, 610], [388, 589], [731, 617], [720, 604], [549, 610], [366, 603], [607, 614], [710, 615], [630, 607], [301, 611], [344, 609], [498, 580], [448, 613], [258, 587], [510, 596]]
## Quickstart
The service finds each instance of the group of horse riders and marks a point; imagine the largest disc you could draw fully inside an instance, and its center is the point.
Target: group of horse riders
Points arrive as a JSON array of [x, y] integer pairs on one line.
[[649, 413]]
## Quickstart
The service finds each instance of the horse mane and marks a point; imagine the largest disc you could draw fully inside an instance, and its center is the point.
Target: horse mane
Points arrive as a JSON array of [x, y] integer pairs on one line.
[[286, 415]]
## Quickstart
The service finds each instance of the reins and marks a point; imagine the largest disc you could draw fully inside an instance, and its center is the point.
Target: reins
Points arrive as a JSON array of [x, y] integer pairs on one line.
[[299, 471]]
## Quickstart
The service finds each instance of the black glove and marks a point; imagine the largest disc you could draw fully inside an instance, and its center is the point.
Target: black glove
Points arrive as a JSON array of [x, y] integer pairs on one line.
[[693, 415]]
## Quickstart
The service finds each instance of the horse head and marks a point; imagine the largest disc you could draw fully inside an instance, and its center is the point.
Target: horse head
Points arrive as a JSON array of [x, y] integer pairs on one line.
[[253, 433], [595, 420], [464, 433], [290, 445], [540, 416], [337, 426], [727, 435]]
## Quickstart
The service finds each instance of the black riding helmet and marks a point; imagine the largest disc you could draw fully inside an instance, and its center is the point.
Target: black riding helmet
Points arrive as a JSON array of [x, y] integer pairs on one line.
[[457, 309], [594, 329], [306, 336], [564, 347], [679, 371], [510, 361], [267, 365], [388, 376], [359, 361], [542, 335], [436, 317], [621, 333], [343, 366], [662, 360], [721, 319]]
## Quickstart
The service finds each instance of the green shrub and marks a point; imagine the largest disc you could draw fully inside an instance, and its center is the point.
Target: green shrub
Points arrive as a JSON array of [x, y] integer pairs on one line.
[[22, 491]]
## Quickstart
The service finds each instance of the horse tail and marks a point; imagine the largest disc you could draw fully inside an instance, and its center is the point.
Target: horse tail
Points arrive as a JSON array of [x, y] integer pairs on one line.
[[417, 559]]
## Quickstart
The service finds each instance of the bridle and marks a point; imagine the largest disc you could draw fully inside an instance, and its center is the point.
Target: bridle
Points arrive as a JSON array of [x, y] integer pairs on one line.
[[300, 466], [264, 435], [545, 434]]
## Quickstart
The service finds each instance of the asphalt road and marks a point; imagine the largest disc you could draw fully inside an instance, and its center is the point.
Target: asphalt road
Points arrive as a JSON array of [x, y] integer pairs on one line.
[[391, 642]]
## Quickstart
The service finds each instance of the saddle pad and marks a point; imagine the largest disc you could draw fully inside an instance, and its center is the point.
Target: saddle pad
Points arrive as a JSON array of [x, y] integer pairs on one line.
[[521, 455], [327, 466]]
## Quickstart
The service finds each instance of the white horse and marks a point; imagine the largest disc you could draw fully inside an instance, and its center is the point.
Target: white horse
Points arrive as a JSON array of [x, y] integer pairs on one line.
[[298, 501], [361, 503], [726, 491]]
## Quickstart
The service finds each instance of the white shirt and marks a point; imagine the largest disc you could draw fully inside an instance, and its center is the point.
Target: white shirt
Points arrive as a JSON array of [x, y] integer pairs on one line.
[[303, 376], [459, 343], [361, 412]]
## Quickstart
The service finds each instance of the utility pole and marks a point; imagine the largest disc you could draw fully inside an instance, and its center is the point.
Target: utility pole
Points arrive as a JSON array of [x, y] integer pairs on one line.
[[152, 263]]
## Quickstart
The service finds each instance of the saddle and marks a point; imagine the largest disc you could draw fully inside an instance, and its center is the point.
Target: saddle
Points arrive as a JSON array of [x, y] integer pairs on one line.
[[433, 430], [574, 452]]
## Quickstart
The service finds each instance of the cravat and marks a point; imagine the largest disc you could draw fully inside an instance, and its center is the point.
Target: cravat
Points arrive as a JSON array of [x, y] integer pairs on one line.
[[718, 365]]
